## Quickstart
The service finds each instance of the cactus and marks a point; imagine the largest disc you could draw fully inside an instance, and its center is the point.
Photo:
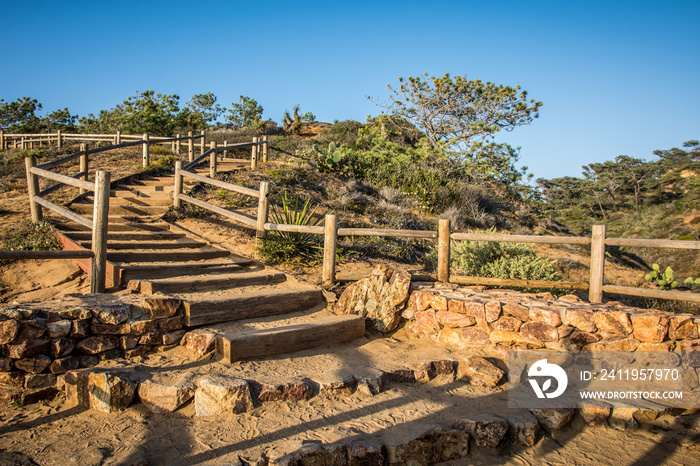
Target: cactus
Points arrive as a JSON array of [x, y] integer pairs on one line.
[[664, 280], [331, 159]]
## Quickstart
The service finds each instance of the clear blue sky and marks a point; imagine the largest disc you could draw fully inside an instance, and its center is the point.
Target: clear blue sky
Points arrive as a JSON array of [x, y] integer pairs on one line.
[[615, 77]]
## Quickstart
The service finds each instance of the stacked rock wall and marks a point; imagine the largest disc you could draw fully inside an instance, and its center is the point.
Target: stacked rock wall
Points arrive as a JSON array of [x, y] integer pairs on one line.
[[40, 341], [475, 317]]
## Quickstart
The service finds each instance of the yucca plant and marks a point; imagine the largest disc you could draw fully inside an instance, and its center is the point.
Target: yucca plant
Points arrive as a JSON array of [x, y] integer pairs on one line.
[[292, 246]]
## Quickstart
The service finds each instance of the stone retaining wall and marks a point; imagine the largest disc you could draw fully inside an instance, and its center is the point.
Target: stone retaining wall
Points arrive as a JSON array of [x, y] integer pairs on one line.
[[476, 317], [39, 341]]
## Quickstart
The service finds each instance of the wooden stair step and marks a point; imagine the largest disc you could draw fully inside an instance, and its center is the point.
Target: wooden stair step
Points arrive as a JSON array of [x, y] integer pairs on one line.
[[137, 200], [204, 309], [124, 191], [288, 339], [146, 189], [121, 226], [127, 235], [153, 255], [184, 284], [123, 209], [149, 244], [153, 270]]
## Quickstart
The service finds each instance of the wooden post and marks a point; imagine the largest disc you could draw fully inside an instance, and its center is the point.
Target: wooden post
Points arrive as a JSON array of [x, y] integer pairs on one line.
[[22, 143], [330, 238], [33, 189], [263, 207], [190, 147], [146, 153], [203, 141], [595, 290], [84, 163], [212, 160], [177, 202], [225, 153], [177, 144], [119, 137], [253, 156], [100, 219], [59, 139], [2, 140], [172, 146], [265, 148], [444, 250]]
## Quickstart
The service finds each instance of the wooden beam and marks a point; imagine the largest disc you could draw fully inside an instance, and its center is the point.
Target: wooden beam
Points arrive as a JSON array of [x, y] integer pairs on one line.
[[648, 293], [251, 222], [463, 280], [220, 184], [427, 234], [520, 238]]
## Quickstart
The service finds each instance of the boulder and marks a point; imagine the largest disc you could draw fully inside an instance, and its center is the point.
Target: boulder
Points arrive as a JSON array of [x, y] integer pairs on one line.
[[554, 418], [112, 315], [364, 452], [156, 307], [200, 343], [160, 398], [97, 344], [110, 392], [291, 391], [478, 371], [31, 329], [614, 322], [59, 329], [682, 328], [539, 331], [487, 430], [595, 412], [8, 331], [371, 385], [22, 349], [35, 364], [217, 395], [546, 316], [434, 446], [524, 428], [650, 328], [63, 365]]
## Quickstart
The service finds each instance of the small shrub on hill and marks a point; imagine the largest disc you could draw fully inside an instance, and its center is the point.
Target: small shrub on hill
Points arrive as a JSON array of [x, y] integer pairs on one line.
[[30, 236]]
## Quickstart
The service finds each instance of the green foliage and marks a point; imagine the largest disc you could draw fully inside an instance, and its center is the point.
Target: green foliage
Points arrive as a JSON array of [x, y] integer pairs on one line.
[[19, 117], [331, 160], [287, 246], [502, 260], [245, 114], [30, 236], [667, 279]]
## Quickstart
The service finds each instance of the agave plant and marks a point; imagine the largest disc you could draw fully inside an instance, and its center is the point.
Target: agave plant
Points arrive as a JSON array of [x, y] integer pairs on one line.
[[288, 246]]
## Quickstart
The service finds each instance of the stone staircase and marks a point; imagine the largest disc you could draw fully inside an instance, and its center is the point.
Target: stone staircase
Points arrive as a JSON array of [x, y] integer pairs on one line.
[[219, 288]]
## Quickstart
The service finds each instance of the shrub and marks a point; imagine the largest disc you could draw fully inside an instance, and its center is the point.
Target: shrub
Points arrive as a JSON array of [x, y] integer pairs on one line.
[[30, 236]]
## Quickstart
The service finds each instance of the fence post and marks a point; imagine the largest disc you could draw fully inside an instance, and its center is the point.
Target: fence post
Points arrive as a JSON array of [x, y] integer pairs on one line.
[[225, 153], [263, 207], [212, 160], [444, 250], [100, 219], [84, 163], [330, 238], [59, 139], [119, 137], [253, 156], [2, 140], [177, 144], [190, 147], [265, 148], [22, 143], [146, 153], [204, 141], [595, 290], [33, 189], [177, 202]]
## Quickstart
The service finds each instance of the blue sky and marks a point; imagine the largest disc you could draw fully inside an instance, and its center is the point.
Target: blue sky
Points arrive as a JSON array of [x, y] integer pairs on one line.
[[615, 77]]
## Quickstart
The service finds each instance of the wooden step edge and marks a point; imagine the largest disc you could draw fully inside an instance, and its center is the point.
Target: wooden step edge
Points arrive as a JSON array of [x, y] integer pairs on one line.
[[297, 337], [113, 273], [210, 282]]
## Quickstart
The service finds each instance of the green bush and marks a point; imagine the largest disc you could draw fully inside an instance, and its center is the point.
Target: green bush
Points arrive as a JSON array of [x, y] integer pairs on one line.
[[30, 236], [501, 260]]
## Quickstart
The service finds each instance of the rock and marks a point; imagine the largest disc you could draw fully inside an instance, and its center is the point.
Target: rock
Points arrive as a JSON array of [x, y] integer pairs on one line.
[[553, 418], [114, 353], [217, 395], [61, 347], [22, 349], [291, 391], [516, 310], [97, 344], [487, 430], [17, 313], [76, 387], [623, 419], [476, 370], [128, 342], [546, 316], [365, 453], [595, 412], [31, 329], [141, 327], [615, 322], [12, 380], [434, 446], [63, 365], [581, 319], [59, 329], [35, 364], [400, 376], [421, 301], [171, 324], [427, 320], [663, 346], [343, 387], [174, 337], [649, 328], [312, 455], [8, 331], [539, 331], [380, 297], [524, 428], [511, 324], [475, 309], [582, 339], [39, 381], [110, 392], [649, 415], [570, 298], [414, 330], [88, 360], [112, 315], [371, 385], [506, 338], [109, 329], [423, 371], [682, 328], [159, 398], [81, 329], [492, 310], [444, 367], [201, 343], [75, 313], [5, 364], [151, 338], [453, 319], [614, 344], [161, 307], [439, 302], [136, 352]]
